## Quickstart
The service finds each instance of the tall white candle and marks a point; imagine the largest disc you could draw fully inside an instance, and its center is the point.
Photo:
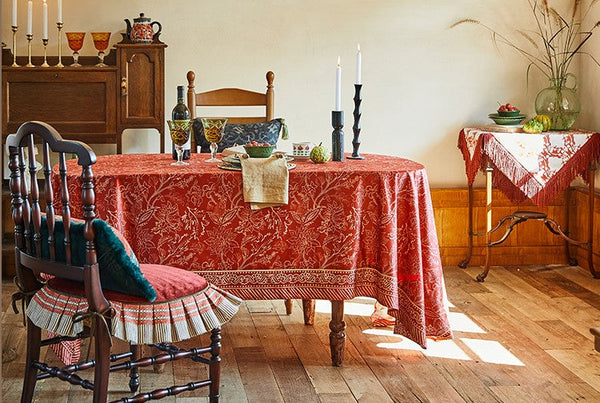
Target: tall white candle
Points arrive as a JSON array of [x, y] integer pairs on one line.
[[338, 86], [29, 17], [14, 14], [59, 19], [45, 19], [358, 66]]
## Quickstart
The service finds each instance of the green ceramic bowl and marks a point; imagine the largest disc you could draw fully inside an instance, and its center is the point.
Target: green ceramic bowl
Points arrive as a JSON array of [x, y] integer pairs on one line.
[[506, 120], [259, 151], [509, 114]]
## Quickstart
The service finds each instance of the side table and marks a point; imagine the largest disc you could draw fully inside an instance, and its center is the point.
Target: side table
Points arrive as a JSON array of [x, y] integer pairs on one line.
[[525, 166]]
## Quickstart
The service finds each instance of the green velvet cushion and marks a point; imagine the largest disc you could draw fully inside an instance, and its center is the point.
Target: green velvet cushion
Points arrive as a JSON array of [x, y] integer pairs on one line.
[[119, 267]]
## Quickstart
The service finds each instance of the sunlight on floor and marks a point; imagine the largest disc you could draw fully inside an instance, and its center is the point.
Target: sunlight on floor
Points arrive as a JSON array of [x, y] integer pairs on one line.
[[489, 351], [492, 352], [440, 349], [357, 306], [459, 322]]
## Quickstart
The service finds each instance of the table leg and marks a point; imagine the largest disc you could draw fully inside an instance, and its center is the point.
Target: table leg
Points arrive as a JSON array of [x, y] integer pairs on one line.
[[288, 306], [465, 262], [570, 259], [591, 181], [158, 368], [308, 306], [337, 337], [488, 222]]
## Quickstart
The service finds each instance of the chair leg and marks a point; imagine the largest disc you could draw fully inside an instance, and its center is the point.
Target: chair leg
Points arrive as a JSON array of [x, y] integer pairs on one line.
[[102, 352], [214, 368], [134, 376], [34, 335]]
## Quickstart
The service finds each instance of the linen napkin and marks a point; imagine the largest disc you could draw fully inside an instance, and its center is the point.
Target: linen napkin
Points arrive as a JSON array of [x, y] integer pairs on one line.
[[265, 181]]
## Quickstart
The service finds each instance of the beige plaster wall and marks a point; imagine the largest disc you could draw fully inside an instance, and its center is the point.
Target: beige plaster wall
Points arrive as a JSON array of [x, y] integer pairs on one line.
[[422, 81]]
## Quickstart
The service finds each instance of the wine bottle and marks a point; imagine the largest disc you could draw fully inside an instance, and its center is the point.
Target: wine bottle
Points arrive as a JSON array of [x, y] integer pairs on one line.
[[181, 112]]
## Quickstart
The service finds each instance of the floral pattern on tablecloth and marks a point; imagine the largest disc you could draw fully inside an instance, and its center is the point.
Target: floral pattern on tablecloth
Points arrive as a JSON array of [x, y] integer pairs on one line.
[[359, 228], [531, 166]]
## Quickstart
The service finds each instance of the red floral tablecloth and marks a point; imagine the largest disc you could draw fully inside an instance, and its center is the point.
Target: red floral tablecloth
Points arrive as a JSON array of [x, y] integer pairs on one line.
[[530, 166], [359, 228]]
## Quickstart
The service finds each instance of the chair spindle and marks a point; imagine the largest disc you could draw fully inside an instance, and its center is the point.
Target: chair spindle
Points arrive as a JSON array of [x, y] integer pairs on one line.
[[49, 200]]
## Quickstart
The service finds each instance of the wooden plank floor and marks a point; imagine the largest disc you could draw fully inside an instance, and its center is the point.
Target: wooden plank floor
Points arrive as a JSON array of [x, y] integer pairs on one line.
[[521, 336]]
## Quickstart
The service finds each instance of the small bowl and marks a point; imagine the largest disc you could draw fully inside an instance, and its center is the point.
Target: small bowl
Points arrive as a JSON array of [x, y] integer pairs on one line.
[[509, 114], [259, 151]]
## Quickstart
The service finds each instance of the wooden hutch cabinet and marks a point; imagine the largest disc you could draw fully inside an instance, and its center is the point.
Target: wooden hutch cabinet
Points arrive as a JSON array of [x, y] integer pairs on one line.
[[89, 103]]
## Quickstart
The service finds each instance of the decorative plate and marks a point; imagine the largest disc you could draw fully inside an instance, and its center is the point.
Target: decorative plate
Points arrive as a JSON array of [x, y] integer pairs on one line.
[[229, 167], [506, 120]]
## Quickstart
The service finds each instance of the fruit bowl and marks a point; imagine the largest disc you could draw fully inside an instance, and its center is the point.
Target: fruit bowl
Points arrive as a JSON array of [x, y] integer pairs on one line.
[[259, 151], [509, 114]]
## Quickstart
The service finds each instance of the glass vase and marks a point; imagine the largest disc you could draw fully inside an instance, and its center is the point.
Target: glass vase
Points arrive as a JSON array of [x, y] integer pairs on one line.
[[559, 102]]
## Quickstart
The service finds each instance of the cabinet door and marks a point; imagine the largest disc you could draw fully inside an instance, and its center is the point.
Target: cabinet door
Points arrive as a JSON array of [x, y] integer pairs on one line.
[[142, 85], [79, 103]]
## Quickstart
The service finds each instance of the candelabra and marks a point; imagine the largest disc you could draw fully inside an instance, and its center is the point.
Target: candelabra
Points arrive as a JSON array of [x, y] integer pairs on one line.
[[29, 39], [59, 25], [356, 127], [337, 137], [45, 42], [14, 31]]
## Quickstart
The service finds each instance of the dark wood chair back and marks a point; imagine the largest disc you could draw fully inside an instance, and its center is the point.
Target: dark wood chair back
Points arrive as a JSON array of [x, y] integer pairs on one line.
[[231, 97], [27, 209]]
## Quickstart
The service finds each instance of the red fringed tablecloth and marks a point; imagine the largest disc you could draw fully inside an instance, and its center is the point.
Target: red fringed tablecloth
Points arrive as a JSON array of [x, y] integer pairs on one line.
[[359, 228], [530, 166]]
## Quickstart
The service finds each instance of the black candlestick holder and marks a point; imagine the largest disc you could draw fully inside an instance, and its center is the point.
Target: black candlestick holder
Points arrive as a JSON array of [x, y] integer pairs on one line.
[[337, 137], [356, 127]]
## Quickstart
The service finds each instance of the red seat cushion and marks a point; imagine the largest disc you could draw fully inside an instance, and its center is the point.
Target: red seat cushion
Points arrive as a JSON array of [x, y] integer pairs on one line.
[[168, 282]]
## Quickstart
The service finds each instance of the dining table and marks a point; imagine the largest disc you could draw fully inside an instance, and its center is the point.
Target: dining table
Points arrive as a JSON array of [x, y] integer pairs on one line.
[[354, 228]]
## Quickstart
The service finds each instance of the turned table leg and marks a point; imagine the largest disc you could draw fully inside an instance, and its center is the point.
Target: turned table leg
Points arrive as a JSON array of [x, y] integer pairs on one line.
[[289, 304], [337, 337], [308, 306]]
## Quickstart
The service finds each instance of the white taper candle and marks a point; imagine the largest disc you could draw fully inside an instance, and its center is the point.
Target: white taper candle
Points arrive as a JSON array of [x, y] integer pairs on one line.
[[358, 66], [45, 20], [338, 86], [29, 17], [14, 14]]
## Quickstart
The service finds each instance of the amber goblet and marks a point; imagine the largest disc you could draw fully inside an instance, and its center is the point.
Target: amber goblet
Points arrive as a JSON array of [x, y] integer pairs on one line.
[[101, 40], [180, 134], [75, 40], [213, 131]]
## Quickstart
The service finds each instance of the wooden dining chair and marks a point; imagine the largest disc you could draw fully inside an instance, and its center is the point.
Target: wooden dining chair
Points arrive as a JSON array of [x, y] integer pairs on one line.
[[79, 278], [231, 97]]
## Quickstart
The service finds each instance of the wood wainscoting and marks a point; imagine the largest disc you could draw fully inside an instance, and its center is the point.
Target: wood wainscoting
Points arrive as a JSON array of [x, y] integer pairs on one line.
[[530, 243]]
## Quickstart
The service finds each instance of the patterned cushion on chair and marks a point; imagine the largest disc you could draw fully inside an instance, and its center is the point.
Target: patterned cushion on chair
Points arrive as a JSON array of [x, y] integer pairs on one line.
[[168, 282], [186, 306], [240, 134], [119, 267]]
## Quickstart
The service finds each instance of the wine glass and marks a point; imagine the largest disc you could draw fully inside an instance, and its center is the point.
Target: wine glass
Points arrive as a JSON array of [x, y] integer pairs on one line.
[[213, 131], [180, 134], [101, 40], [75, 43]]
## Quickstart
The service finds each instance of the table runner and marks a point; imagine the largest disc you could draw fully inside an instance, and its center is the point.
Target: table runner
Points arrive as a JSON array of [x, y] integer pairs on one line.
[[360, 228], [530, 166]]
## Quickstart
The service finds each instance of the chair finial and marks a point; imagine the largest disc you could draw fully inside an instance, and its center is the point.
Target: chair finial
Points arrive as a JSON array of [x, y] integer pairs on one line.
[[270, 78], [191, 76]]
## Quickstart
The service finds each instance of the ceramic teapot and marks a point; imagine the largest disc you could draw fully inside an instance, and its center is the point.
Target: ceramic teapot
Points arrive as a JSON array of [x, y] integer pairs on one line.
[[142, 30]]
